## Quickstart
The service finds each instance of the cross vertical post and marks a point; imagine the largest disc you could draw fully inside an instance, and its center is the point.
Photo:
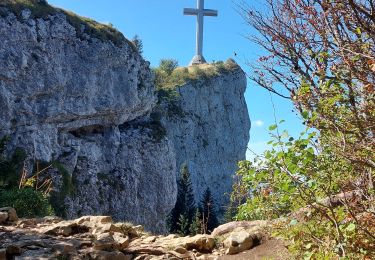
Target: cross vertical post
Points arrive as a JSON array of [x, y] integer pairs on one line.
[[200, 12]]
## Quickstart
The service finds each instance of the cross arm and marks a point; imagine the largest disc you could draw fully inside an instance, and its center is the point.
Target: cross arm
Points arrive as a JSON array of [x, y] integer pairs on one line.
[[205, 12], [209, 12], [190, 11]]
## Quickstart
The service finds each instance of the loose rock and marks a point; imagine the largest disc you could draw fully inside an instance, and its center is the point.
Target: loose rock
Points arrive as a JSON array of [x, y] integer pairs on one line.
[[238, 242], [3, 217], [12, 214]]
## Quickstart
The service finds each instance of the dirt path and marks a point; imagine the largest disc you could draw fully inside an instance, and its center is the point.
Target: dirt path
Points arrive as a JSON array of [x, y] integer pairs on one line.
[[272, 249]]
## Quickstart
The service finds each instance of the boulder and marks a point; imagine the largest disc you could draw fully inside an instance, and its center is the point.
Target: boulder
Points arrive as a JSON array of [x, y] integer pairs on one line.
[[105, 242], [231, 226], [3, 217], [64, 228], [121, 240], [93, 220], [238, 242], [129, 230], [202, 243], [180, 250], [12, 214], [106, 228], [23, 223]]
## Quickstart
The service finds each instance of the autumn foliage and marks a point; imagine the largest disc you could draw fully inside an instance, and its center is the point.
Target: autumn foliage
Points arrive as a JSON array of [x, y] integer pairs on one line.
[[321, 56]]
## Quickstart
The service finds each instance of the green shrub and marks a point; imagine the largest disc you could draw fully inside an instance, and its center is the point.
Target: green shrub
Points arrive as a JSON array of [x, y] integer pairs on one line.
[[168, 65], [29, 193], [293, 180], [27, 202]]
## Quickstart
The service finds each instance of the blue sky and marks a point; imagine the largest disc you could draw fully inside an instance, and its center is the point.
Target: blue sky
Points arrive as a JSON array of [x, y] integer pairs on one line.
[[167, 33]]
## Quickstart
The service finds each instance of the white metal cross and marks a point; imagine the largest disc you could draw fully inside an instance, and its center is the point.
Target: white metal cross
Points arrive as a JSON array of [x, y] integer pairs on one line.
[[200, 12]]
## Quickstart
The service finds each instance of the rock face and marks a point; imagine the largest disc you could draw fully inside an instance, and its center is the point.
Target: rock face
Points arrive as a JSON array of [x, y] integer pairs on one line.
[[209, 128], [69, 100], [53, 82], [83, 104]]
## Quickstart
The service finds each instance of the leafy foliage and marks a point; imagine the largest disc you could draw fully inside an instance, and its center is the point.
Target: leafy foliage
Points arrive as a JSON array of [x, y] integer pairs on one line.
[[299, 179], [317, 238], [322, 53], [27, 193], [27, 201], [168, 66]]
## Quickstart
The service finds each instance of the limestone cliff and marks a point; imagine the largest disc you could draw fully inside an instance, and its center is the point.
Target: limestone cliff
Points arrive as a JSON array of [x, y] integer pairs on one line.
[[208, 124], [69, 98], [80, 98]]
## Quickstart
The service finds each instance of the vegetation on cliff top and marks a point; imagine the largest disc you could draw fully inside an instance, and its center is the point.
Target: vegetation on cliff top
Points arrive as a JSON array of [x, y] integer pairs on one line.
[[41, 9], [169, 76]]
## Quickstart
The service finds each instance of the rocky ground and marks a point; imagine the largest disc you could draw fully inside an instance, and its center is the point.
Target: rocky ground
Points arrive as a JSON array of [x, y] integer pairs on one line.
[[98, 237]]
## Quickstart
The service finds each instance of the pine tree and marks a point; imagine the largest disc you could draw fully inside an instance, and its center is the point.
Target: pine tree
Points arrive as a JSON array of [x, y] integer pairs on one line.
[[185, 204], [196, 224], [209, 219], [183, 225], [138, 44]]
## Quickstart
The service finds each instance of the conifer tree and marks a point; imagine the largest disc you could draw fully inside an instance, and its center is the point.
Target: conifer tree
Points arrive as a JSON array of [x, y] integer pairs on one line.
[[185, 204], [138, 44], [209, 219], [196, 224], [183, 225]]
